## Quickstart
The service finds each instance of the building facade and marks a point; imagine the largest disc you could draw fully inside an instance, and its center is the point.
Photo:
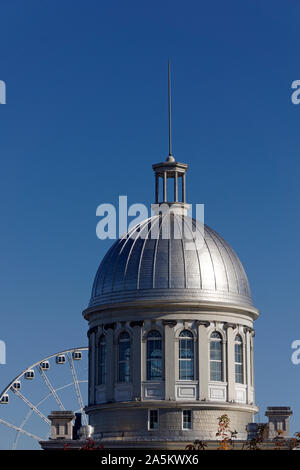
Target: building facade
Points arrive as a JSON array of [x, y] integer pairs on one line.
[[171, 335]]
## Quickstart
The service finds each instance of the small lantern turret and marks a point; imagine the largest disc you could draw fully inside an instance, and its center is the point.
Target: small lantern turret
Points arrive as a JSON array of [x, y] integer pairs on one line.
[[170, 169]]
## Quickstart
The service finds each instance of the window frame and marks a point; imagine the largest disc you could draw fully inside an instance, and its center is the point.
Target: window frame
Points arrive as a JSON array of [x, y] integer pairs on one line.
[[191, 420], [181, 360], [238, 342], [124, 360], [151, 410], [102, 366], [150, 338], [213, 340]]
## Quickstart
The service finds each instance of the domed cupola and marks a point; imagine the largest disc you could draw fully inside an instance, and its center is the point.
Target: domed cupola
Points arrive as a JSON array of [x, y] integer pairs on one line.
[[171, 257], [171, 337]]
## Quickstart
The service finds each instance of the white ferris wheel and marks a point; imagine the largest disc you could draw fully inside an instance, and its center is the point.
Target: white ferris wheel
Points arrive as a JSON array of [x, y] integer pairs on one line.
[[56, 382]]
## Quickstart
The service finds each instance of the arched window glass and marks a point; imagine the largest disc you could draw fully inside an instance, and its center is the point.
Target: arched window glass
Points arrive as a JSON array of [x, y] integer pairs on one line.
[[154, 355], [216, 357], [124, 357], [238, 360], [102, 360], [186, 355]]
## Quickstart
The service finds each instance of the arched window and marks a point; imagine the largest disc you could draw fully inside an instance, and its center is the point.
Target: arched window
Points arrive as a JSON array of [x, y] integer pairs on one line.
[[238, 360], [216, 357], [124, 357], [102, 360], [154, 355], [186, 355]]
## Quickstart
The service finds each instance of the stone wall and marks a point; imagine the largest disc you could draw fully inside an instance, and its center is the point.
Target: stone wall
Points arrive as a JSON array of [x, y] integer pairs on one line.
[[133, 424]]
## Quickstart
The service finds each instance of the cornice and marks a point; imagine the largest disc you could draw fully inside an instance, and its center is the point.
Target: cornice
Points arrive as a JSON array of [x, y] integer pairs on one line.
[[166, 306]]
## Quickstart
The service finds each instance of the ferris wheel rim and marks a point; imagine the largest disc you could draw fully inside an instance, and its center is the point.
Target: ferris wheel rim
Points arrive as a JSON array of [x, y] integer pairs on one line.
[[35, 364], [35, 408]]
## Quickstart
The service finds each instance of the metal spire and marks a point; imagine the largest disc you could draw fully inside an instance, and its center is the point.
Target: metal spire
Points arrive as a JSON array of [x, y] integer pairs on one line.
[[170, 130]]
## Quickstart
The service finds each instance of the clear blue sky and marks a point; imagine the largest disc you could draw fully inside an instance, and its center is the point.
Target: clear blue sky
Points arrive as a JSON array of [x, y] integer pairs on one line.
[[85, 118]]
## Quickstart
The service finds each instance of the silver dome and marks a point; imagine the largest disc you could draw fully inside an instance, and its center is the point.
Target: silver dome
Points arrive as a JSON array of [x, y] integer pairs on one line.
[[140, 268]]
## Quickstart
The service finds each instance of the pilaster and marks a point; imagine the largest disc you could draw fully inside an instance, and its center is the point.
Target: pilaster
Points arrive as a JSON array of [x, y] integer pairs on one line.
[[136, 359], [110, 360], [203, 358], [230, 327], [169, 360]]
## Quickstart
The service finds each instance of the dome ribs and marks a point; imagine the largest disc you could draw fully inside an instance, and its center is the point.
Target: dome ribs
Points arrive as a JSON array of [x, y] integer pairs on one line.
[[119, 260], [143, 265], [193, 275], [110, 265], [178, 259], [130, 278], [230, 252], [210, 232], [155, 254], [161, 265], [151, 222]]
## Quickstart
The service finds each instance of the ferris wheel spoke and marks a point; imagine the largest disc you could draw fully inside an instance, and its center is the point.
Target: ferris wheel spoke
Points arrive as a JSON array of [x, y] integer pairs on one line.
[[77, 389], [12, 426], [15, 443], [53, 392], [32, 406], [51, 388]]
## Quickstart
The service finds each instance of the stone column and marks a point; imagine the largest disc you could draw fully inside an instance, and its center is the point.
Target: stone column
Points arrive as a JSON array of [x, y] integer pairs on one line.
[[156, 188], [230, 327], [203, 358], [110, 361], [176, 187], [169, 359], [183, 187], [165, 186], [136, 359]]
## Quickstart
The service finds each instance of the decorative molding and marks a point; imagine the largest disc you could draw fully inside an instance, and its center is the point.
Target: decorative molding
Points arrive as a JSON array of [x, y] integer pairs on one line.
[[186, 392], [203, 322], [136, 323], [230, 325], [247, 329], [110, 325], [92, 330], [170, 323], [217, 393]]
